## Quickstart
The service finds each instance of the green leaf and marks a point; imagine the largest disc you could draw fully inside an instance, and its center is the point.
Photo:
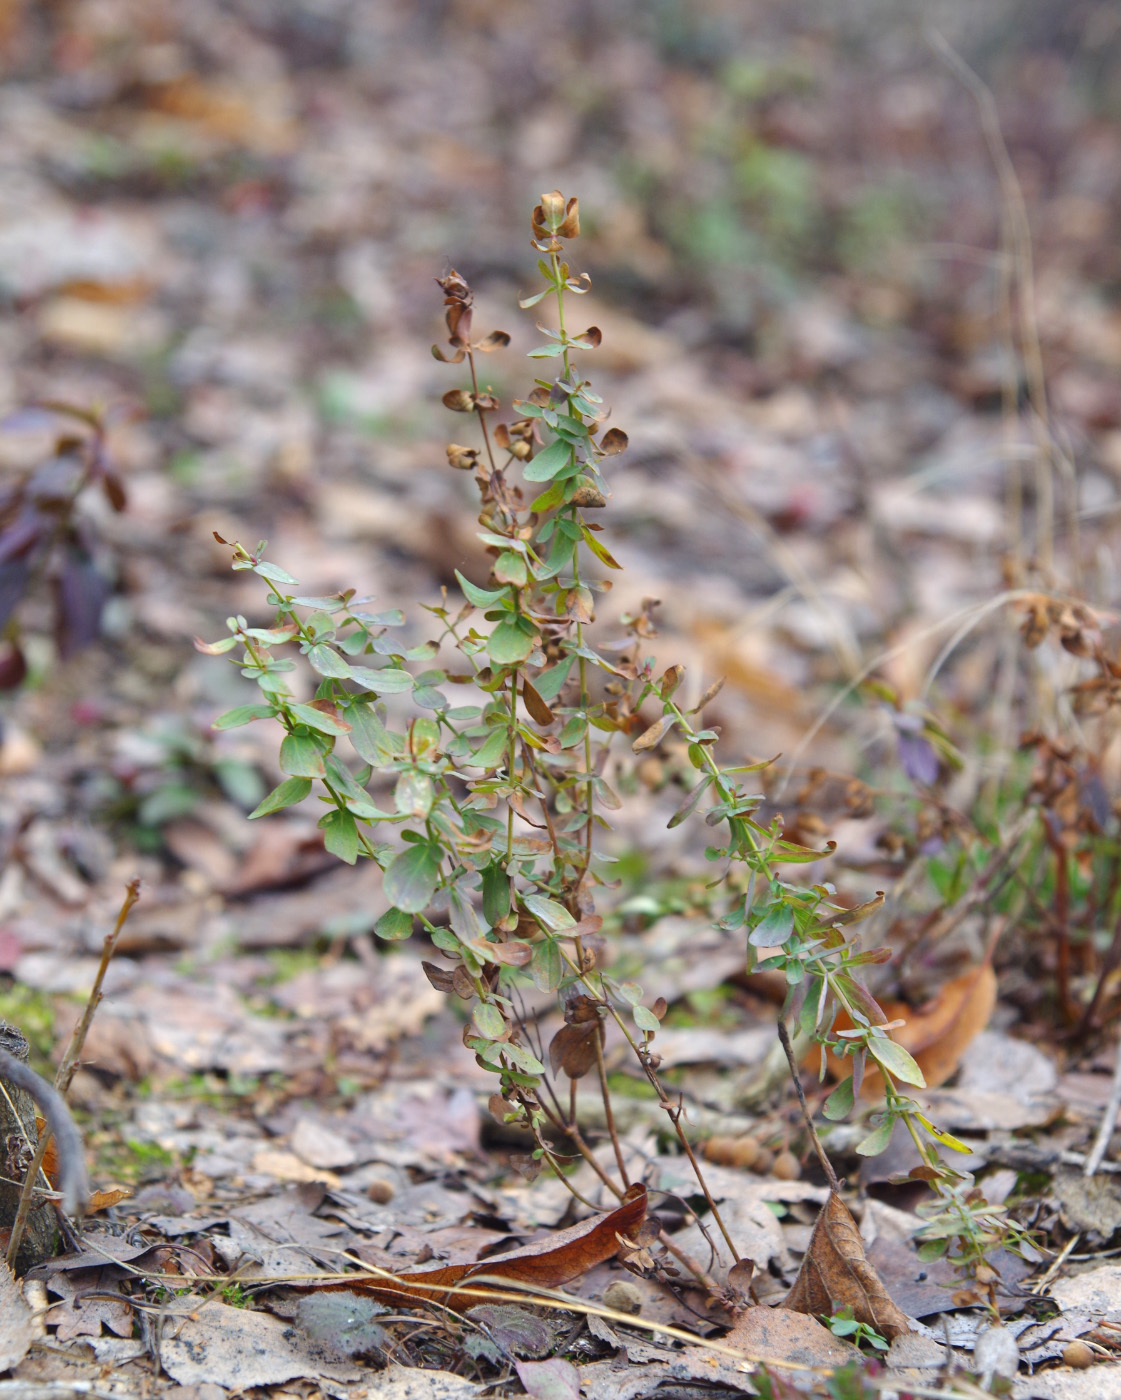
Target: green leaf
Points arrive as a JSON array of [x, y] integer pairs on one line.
[[645, 1019], [548, 461], [274, 573], [328, 662], [481, 597], [511, 642], [340, 835], [511, 568], [216, 648], [290, 791], [394, 925], [429, 698], [489, 1021], [546, 967], [493, 751], [522, 1059], [775, 927], [549, 683], [688, 806], [897, 1061], [554, 916], [389, 680], [319, 719], [603, 554], [243, 714], [410, 880], [372, 741], [335, 603], [413, 794], [301, 757], [877, 1140], [840, 1102], [496, 893]]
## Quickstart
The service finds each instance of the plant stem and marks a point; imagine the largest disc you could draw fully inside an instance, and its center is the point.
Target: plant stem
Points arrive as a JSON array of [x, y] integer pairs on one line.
[[822, 1156]]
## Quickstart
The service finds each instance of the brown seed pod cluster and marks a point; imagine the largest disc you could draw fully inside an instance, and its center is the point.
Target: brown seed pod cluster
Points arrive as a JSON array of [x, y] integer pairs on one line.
[[750, 1154]]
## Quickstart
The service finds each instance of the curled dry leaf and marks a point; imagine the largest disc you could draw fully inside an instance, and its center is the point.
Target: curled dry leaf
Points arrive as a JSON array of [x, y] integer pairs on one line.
[[835, 1272], [937, 1035], [649, 738], [536, 705], [573, 1048], [549, 1263]]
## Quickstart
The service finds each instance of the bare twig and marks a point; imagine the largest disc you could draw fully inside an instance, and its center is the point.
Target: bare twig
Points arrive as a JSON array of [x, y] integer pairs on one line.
[[1097, 1153], [822, 1157]]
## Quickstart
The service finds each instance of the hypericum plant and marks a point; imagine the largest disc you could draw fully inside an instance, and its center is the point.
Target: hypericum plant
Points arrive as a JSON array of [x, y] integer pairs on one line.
[[492, 836], [45, 537]]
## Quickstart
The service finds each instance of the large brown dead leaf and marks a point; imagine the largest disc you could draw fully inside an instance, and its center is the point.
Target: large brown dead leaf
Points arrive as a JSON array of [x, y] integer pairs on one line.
[[937, 1034], [548, 1263], [835, 1272]]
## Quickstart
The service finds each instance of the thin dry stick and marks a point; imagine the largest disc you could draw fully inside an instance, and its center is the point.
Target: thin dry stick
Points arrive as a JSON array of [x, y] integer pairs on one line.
[[608, 1111], [1109, 1120], [69, 1149], [1053, 462], [822, 1157]]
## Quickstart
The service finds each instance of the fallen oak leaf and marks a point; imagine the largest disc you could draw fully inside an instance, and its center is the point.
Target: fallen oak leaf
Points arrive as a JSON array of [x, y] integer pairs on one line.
[[835, 1272], [549, 1263]]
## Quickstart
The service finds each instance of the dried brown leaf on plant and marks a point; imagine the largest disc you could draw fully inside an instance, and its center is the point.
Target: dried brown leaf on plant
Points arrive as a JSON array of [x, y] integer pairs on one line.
[[548, 1263], [937, 1034], [836, 1273]]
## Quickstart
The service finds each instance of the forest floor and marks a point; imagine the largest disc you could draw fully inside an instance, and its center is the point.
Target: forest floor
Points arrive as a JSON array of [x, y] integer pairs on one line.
[[869, 362]]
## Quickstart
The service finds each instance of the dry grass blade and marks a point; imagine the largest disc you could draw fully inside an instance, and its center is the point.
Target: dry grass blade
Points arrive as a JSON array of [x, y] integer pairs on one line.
[[835, 1272]]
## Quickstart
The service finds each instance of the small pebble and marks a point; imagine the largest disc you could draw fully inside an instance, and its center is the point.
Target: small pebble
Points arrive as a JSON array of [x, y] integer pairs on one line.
[[623, 1297], [1078, 1354], [380, 1191]]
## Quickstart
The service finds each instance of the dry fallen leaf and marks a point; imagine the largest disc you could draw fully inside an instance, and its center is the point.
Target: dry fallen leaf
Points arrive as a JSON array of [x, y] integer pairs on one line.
[[835, 1272], [779, 1334], [549, 1263], [938, 1034]]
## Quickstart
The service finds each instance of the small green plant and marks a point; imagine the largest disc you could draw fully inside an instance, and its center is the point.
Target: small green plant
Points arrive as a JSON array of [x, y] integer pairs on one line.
[[843, 1324], [486, 810]]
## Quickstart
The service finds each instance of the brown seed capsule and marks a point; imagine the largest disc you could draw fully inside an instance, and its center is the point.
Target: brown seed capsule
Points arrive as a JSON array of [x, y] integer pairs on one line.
[[380, 1191], [764, 1161], [786, 1167], [1078, 1354], [623, 1297], [732, 1151]]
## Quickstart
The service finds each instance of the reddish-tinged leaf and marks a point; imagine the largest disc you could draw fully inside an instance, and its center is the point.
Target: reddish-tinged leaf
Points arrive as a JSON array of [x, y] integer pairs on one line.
[[573, 1048], [13, 667], [536, 705], [650, 738], [555, 1379], [80, 594], [549, 1263]]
